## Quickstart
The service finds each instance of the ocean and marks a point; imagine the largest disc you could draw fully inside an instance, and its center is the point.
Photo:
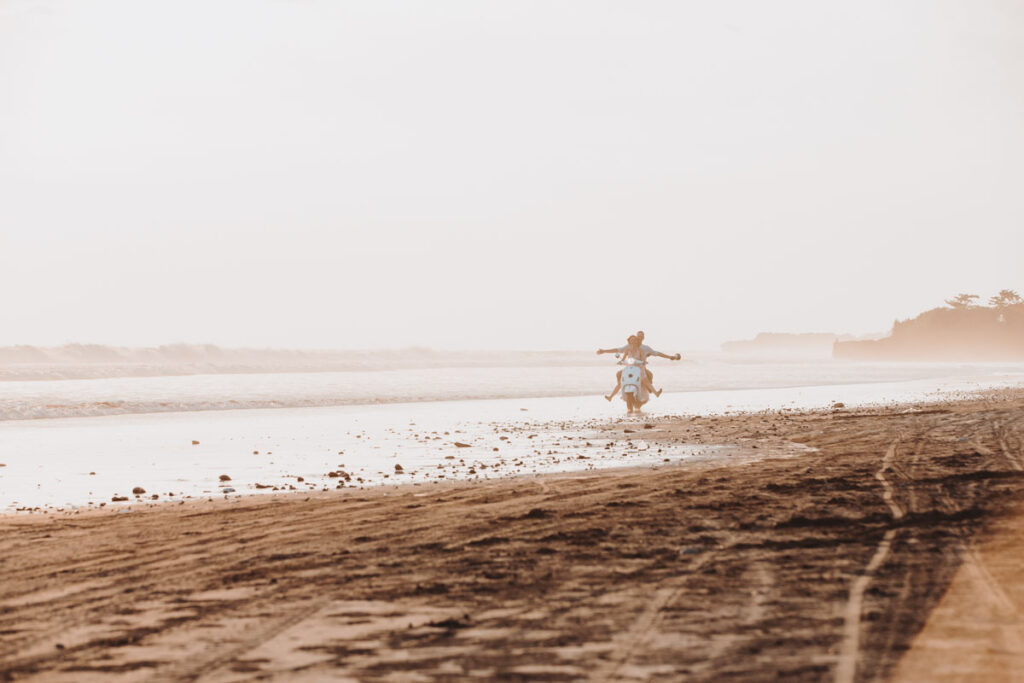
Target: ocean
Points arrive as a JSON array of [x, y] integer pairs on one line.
[[34, 399]]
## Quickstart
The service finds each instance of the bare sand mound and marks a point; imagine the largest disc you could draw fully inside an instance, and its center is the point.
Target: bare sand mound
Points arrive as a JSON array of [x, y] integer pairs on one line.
[[976, 633]]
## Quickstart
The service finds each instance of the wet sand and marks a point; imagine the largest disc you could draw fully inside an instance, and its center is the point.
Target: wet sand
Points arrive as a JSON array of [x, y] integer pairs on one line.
[[817, 548], [80, 462]]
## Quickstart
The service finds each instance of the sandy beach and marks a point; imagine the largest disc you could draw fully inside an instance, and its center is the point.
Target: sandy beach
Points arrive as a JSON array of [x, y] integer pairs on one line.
[[329, 329], [823, 545]]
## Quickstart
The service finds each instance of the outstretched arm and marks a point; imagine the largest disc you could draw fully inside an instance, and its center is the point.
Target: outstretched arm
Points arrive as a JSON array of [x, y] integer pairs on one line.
[[618, 350], [675, 357]]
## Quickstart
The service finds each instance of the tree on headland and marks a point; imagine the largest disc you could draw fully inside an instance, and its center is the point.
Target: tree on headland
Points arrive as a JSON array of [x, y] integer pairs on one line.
[[968, 328], [1005, 297], [962, 301]]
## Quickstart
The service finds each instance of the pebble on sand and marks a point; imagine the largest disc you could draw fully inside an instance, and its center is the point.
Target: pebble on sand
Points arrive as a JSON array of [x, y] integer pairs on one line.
[[194, 442], [138, 490], [459, 444], [399, 468], [224, 477], [118, 499]]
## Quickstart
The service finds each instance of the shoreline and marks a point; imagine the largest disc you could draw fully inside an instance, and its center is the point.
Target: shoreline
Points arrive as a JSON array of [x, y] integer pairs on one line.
[[765, 562], [73, 463]]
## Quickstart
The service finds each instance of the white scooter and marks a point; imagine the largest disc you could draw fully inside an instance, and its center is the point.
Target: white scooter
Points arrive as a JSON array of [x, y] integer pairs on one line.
[[633, 391]]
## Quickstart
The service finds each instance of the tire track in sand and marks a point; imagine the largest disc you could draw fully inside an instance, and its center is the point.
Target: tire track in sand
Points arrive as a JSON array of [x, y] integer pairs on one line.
[[846, 670], [643, 625], [980, 601]]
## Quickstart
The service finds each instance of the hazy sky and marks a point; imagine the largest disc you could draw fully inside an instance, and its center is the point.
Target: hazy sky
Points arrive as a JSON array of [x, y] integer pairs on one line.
[[547, 174]]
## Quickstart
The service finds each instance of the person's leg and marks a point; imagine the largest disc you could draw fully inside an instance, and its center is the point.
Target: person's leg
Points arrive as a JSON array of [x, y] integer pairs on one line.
[[618, 385], [649, 383]]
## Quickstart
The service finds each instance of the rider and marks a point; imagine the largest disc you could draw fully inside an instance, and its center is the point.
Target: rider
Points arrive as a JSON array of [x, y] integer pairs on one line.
[[648, 352], [637, 353], [631, 355]]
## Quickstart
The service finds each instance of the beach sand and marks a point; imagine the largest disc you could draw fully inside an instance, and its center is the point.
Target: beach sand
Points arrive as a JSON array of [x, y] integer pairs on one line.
[[819, 546]]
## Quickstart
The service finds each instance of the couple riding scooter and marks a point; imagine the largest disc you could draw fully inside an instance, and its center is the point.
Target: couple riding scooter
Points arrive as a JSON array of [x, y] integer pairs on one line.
[[635, 381]]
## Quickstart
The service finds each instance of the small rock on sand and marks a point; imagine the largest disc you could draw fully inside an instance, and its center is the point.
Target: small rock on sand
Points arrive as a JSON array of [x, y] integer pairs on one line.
[[459, 444], [138, 490], [194, 442], [399, 468], [224, 477], [118, 499]]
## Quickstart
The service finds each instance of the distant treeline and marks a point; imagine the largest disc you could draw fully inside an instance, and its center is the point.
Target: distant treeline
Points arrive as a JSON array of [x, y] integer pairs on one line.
[[960, 331]]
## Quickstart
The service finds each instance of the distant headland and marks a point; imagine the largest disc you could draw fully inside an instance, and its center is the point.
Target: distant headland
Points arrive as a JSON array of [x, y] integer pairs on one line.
[[788, 345], [962, 330]]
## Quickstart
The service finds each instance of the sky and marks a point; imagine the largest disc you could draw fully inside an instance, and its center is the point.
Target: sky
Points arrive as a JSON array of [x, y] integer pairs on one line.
[[531, 175]]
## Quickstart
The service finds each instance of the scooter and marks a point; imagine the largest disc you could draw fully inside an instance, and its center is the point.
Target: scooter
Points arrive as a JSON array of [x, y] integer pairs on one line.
[[633, 391]]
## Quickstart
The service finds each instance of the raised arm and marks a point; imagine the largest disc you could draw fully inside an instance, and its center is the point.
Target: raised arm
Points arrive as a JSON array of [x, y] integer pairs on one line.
[[659, 353]]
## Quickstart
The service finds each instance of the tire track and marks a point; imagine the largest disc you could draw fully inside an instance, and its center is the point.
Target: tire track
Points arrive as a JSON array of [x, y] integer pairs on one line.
[[645, 624], [846, 670], [205, 665], [971, 566], [1001, 435], [148, 566]]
